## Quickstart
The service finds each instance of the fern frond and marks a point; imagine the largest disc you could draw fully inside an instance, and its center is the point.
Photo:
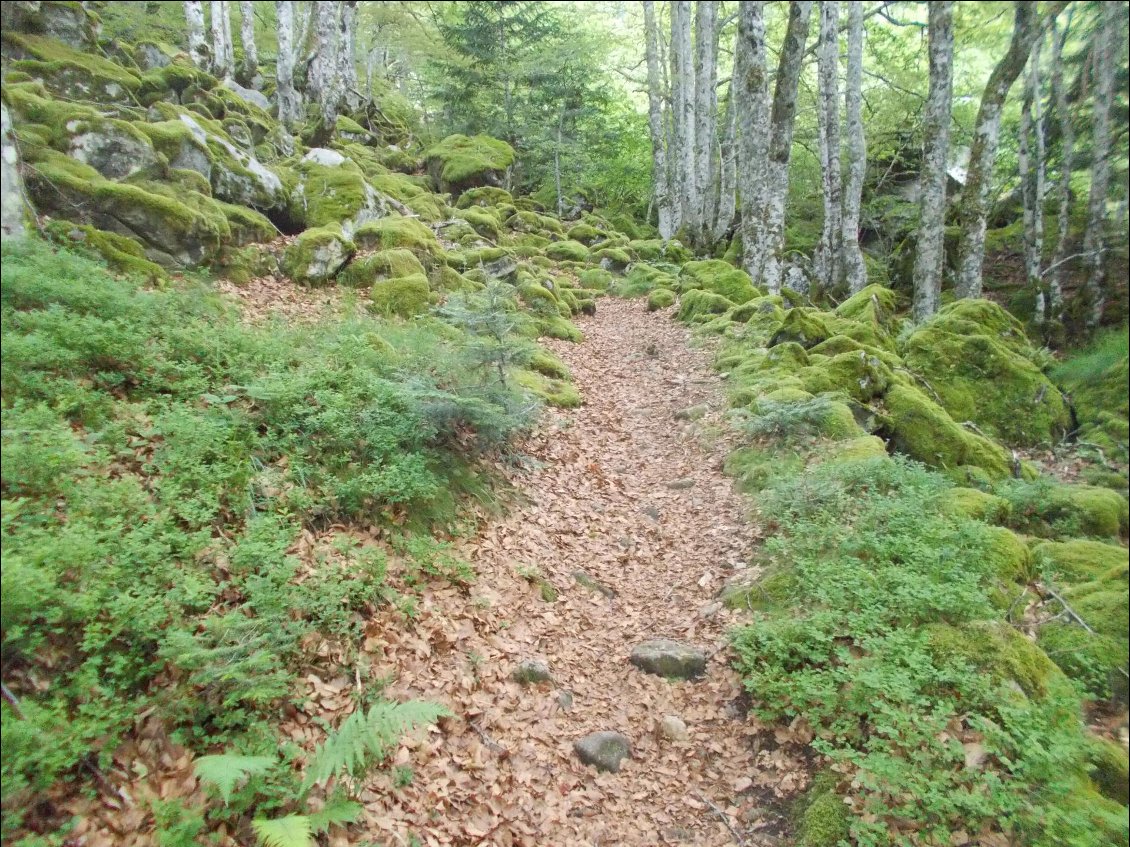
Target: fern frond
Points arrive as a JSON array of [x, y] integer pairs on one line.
[[228, 769], [289, 831], [367, 737], [337, 812]]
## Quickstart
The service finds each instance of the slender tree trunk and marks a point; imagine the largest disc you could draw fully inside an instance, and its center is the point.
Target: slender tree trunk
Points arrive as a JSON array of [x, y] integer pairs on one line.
[[197, 43], [975, 196], [15, 208], [682, 107], [929, 261], [830, 251], [781, 141], [727, 171], [705, 111], [323, 81], [290, 106], [347, 61], [557, 164], [1031, 165], [752, 113], [1057, 269], [1105, 58], [855, 270], [229, 42], [655, 124], [220, 65], [247, 40]]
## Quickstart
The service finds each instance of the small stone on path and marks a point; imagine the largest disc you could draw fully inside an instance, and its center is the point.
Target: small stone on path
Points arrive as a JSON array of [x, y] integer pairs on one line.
[[681, 484], [565, 700], [693, 413], [673, 728], [530, 671], [668, 658], [603, 750], [583, 579], [709, 610]]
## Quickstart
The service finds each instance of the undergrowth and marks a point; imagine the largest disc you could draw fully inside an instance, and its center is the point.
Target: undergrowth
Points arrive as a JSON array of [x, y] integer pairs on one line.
[[160, 460]]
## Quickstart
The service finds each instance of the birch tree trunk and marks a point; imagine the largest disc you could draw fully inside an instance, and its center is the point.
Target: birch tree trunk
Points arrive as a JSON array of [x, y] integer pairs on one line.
[[705, 116], [929, 260], [347, 42], [323, 81], [829, 254], [229, 43], [752, 114], [1031, 166], [290, 106], [197, 43], [1057, 267], [781, 141], [1094, 238], [855, 271], [682, 96], [15, 209], [250, 69], [220, 65], [655, 122], [975, 196], [727, 171]]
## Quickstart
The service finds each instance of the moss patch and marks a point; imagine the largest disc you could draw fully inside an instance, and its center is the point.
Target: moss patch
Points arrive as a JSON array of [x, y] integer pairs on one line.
[[403, 297]]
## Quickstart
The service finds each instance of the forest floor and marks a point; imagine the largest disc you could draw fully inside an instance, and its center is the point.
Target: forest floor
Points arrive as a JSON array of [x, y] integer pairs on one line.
[[627, 491]]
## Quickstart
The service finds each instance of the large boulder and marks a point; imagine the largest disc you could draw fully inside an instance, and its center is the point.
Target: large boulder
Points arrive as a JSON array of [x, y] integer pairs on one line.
[[114, 148], [317, 255], [70, 73], [460, 162]]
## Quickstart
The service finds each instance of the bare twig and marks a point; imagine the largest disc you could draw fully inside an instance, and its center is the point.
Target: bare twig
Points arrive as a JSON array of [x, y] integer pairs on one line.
[[492, 745], [723, 817], [1067, 608]]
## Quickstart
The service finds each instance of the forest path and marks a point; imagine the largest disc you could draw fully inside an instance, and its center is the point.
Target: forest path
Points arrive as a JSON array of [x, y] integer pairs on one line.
[[596, 497]]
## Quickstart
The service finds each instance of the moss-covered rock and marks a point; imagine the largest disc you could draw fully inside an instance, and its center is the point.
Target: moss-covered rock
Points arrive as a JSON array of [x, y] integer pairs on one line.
[[404, 190], [573, 251], [545, 363], [825, 819], [482, 220], [1054, 510], [330, 189], [70, 73], [596, 278], [612, 258], [486, 195], [114, 148], [995, 649], [120, 252], [396, 231], [1006, 556], [976, 504], [1111, 770], [857, 449], [1079, 560], [660, 298], [402, 297], [718, 277], [805, 327], [460, 162], [697, 305], [554, 391], [857, 374], [317, 255], [364, 271]]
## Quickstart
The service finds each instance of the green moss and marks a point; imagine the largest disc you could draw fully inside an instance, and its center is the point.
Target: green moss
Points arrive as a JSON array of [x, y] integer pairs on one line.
[[718, 277], [697, 305], [402, 188], [395, 231], [74, 74], [485, 195], [481, 220], [317, 255], [825, 821], [555, 392], [1079, 560], [558, 327], [458, 159], [1096, 379], [612, 257], [545, 363], [247, 225], [805, 327], [1051, 510], [327, 194], [995, 649], [1006, 555], [585, 233], [838, 344], [119, 252], [175, 77], [387, 264], [572, 251], [402, 297], [857, 449], [921, 429], [1111, 773], [660, 298], [538, 299], [33, 105], [858, 375], [972, 503], [446, 278]]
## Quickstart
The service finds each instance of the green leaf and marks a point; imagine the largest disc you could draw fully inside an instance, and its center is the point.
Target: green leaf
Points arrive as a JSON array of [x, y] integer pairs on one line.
[[226, 770], [289, 831], [337, 812]]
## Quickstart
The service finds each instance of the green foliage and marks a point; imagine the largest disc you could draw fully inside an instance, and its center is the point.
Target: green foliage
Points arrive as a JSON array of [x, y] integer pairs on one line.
[[288, 831], [1095, 379], [226, 770]]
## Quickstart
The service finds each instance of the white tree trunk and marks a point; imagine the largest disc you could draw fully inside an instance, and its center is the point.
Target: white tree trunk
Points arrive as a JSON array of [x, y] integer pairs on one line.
[[976, 194], [347, 45], [247, 41], [1031, 166], [221, 33], [197, 44], [655, 122], [14, 205], [752, 114], [830, 250], [290, 106], [781, 142], [855, 270], [1057, 267], [682, 96], [705, 116], [1094, 238], [229, 44], [930, 258], [323, 81], [727, 171]]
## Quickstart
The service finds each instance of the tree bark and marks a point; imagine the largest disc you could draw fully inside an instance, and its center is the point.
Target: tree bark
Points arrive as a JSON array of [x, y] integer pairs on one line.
[[15, 209], [655, 122], [705, 111], [855, 270], [975, 196], [682, 96], [247, 40], [781, 141], [222, 53], [1104, 55], [752, 115], [290, 106], [1031, 166], [323, 81], [197, 43], [1058, 266], [928, 263], [830, 250], [727, 171], [347, 44]]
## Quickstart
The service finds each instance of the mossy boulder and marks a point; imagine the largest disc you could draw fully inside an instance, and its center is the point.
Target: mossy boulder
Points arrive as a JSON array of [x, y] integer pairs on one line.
[[1006, 556], [545, 363], [330, 189], [402, 297], [976, 504], [538, 299], [460, 162], [1111, 770], [486, 195], [404, 190], [572, 251], [996, 650], [120, 252], [1080, 560], [69, 73], [838, 344], [1054, 510], [976, 359], [805, 327], [596, 278], [114, 148], [698, 305], [719, 277], [824, 818], [612, 258], [856, 374], [490, 262], [585, 233], [317, 255], [396, 263], [482, 220], [922, 429], [396, 231], [660, 298]]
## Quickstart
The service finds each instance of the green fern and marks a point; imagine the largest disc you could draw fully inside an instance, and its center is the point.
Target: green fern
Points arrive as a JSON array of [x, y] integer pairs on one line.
[[367, 737], [227, 770], [338, 811], [289, 831]]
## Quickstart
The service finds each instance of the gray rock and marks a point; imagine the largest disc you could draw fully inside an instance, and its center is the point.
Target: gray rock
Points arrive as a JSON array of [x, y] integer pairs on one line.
[[149, 56], [710, 610], [673, 728], [591, 584], [13, 200], [530, 671], [651, 512], [603, 750], [668, 658], [681, 484], [692, 413], [565, 700], [248, 95], [501, 267], [325, 157], [113, 148]]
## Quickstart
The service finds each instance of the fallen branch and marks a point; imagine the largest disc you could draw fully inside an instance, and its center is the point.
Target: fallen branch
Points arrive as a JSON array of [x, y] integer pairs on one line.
[[1067, 608], [723, 817], [491, 744]]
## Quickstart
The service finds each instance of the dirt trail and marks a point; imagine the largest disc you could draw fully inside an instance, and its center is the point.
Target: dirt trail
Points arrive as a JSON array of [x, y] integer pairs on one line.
[[598, 500]]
